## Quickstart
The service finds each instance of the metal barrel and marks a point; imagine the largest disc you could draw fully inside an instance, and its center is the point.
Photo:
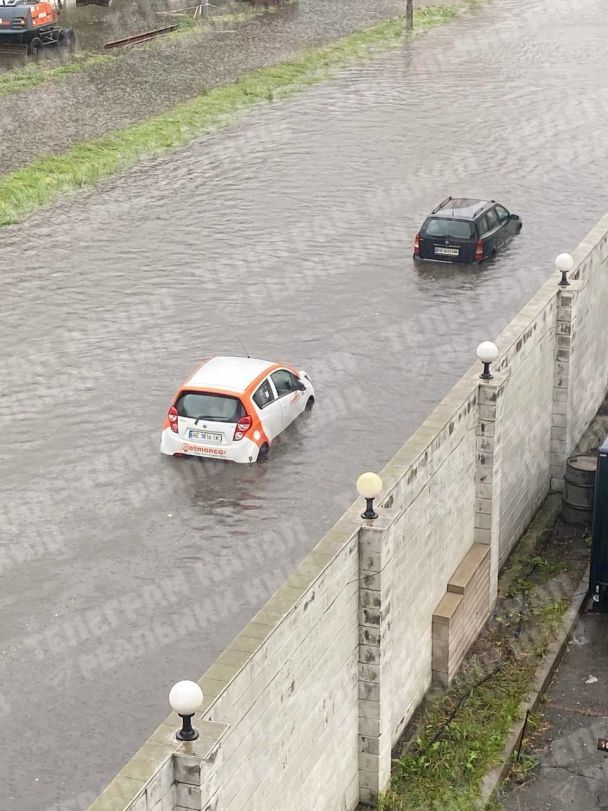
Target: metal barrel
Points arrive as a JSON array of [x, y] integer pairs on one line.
[[579, 486]]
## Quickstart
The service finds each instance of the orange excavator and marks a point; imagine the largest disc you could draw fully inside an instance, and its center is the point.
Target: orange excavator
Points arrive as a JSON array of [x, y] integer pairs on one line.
[[28, 26]]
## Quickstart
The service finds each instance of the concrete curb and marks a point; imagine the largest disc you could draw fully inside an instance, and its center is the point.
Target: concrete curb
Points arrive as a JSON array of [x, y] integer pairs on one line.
[[542, 677]]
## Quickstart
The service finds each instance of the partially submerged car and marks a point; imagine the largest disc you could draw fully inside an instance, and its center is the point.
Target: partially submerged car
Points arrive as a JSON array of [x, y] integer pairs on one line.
[[234, 408], [463, 229]]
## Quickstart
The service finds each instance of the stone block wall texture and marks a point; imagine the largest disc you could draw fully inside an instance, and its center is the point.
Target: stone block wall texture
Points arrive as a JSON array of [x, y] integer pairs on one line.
[[435, 502], [528, 346], [589, 335], [303, 706]]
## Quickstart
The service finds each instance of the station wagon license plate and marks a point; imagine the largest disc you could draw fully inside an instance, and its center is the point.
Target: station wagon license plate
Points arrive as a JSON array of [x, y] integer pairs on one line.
[[205, 436], [447, 251]]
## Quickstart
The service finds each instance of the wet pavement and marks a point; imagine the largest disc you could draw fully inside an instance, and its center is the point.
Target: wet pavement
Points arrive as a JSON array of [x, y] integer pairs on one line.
[[148, 80], [287, 236], [566, 770], [572, 773]]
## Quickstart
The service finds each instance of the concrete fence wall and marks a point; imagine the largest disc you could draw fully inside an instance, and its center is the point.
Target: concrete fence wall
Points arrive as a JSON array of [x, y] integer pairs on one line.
[[303, 707]]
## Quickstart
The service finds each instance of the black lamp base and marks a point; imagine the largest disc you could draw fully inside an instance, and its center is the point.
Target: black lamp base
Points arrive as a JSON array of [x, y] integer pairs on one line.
[[486, 375], [187, 736], [187, 733], [369, 510]]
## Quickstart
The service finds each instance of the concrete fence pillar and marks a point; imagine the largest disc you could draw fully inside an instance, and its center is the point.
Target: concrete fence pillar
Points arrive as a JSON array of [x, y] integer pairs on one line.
[[375, 586], [195, 768], [560, 430], [488, 472]]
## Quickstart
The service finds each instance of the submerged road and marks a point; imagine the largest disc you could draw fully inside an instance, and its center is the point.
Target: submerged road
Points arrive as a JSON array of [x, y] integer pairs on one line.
[[288, 236]]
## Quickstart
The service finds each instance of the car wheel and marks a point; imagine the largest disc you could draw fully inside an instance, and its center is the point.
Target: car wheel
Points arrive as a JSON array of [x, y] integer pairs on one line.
[[519, 227], [309, 404], [263, 453], [35, 47], [67, 39]]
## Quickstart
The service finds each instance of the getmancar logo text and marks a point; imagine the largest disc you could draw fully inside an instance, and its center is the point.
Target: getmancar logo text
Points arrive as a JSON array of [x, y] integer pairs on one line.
[[196, 449]]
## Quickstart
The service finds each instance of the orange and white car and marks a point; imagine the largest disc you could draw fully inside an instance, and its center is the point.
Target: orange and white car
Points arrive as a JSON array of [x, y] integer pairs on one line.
[[234, 409]]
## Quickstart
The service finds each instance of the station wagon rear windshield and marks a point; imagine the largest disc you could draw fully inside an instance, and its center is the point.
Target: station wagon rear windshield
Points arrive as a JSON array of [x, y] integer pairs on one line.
[[447, 227], [200, 405]]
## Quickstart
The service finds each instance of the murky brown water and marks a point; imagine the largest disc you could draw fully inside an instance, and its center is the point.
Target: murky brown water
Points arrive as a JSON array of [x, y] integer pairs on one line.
[[289, 235]]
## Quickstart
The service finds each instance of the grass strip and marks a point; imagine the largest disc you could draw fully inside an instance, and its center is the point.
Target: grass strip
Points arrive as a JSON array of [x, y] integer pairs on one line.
[[456, 738], [445, 774], [45, 179], [30, 76]]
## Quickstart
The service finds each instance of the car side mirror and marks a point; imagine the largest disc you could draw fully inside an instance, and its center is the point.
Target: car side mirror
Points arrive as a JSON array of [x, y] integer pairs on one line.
[[513, 217], [300, 386]]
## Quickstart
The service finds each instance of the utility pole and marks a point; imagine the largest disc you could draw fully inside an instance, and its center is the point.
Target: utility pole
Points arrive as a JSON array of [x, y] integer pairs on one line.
[[409, 15]]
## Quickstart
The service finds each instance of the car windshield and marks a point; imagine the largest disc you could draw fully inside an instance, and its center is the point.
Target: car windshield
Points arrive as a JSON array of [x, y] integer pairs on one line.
[[448, 227], [200, 405]]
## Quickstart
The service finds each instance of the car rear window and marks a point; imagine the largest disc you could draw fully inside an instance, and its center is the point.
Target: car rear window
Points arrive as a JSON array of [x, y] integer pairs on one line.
[[448, 227], [200, 405]]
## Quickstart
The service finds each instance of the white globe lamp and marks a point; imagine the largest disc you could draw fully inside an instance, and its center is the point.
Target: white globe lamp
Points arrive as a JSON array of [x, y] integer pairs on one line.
[[369, 485], [487, 352], [564, 263], [186, 698]]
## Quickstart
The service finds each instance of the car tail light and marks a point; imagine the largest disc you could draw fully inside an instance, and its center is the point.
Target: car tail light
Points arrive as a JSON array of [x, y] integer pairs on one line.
[[242, 426], [417, 245], [479, 249], [172, 415]]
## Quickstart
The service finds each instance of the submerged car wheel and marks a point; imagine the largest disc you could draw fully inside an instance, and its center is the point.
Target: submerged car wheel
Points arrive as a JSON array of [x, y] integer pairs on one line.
[[310, 403], [263, 453]]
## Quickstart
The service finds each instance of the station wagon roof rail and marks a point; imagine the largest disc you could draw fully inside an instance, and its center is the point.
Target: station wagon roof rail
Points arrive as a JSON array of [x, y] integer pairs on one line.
[[485, 205], [441, 205]]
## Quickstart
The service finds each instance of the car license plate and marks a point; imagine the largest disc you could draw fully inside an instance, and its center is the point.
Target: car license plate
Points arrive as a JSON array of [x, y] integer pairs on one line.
[[205, 436], [447, 251]]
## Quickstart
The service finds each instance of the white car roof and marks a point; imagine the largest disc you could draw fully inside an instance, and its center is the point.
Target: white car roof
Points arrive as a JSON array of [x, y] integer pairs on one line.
[[230, 374]]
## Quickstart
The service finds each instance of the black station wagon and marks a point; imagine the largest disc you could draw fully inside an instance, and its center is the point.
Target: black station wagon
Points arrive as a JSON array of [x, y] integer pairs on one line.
[[465, 230]]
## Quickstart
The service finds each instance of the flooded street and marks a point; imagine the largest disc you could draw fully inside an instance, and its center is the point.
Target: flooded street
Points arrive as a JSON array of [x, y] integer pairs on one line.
[[287, 237], [96, 25]]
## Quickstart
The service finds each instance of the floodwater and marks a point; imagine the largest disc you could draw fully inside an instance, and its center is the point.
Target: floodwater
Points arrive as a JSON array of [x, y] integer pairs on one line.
[[288, 236], [96, 25]]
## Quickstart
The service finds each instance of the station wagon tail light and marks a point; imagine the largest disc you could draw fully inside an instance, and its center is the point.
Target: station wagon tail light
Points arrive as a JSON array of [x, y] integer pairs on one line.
[[417, 245], [242, 426], [172, 416], [479, 249]]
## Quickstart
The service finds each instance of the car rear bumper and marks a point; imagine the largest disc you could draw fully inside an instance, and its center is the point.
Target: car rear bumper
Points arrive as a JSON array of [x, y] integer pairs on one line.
[[456, 260], [243, 452]]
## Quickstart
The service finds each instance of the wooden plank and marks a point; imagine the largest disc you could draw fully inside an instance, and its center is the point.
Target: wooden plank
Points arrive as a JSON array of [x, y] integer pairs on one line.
[[144, 37]]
